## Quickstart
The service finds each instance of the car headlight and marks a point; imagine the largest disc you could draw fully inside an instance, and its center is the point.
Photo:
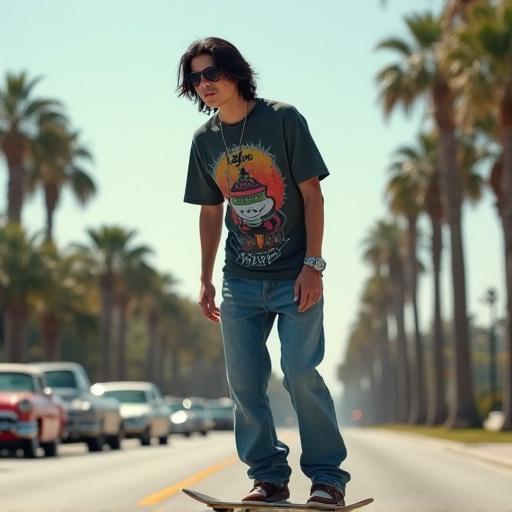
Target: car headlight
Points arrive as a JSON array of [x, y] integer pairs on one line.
[[179, 417], [25, 406], [81, 405]]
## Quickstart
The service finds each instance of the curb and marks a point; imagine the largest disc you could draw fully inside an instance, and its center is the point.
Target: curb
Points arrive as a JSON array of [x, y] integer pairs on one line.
[[460, 448], [465, 450]]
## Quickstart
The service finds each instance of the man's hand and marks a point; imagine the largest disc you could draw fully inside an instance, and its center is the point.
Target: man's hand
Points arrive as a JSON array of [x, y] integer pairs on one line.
[[207, 302], [308, 288]]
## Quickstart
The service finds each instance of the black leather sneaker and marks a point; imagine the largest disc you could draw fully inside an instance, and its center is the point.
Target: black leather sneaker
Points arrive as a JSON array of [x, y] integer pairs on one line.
[[265, 491], [326, 494]]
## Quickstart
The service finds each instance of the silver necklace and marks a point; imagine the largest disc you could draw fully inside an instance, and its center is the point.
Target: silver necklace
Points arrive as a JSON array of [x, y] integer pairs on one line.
[[226, 172]]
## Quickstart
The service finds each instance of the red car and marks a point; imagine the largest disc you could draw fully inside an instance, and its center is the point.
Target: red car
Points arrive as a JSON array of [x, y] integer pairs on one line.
[[29, 416]]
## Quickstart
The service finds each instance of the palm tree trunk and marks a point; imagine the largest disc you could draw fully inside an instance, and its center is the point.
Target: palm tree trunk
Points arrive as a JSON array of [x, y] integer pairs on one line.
[[162, 349], [462, 411], [16, 313], [175, 370], [387, 389], [51, 196], [437, 403], [50, 330], [122, 304], [374, 370], [107, 306], [402, 358], [14, 148], [418, 412], [152, 355], [506, 181]]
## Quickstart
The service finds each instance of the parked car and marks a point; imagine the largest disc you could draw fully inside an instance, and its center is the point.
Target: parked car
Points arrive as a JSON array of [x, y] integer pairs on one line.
[[29, 416], [194, 416], [144, 412], [93, 420], [221, 412], [180, 420]]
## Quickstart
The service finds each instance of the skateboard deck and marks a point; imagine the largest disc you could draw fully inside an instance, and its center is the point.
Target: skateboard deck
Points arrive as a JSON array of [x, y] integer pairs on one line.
[[231, 506]]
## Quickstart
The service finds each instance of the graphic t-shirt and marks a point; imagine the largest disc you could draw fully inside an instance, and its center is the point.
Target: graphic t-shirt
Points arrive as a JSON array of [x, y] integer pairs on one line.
[[259, 180]]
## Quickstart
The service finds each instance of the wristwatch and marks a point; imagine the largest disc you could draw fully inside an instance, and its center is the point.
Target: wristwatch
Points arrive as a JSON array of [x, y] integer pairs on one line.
[[318, 264]]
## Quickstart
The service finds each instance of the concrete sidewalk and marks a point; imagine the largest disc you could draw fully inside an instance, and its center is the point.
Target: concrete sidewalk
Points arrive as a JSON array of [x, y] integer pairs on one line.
[[496, 453]]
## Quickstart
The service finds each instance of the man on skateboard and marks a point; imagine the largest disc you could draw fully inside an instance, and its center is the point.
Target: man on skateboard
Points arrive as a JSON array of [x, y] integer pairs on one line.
[[259, 156]]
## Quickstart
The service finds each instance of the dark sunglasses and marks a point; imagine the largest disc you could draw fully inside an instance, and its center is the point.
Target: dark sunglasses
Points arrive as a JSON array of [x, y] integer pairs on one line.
[[212, 74]]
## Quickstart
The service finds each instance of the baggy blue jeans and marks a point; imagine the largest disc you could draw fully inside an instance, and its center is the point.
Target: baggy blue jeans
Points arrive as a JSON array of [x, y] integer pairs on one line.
[[248, 310]]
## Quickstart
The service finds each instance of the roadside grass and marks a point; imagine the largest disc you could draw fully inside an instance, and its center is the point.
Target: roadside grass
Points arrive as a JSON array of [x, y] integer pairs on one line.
[[462, 435]]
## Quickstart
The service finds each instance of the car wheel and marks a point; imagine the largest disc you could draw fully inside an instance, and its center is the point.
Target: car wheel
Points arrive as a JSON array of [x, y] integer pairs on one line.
[[145, 438], [30, 447], [50, 449], [96, 444], [163, 440], [204, 432], [186, 434], [115, 441]]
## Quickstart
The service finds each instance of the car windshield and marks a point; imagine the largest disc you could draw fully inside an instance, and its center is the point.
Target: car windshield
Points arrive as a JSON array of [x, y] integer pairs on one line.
[[195, 407], [221, 410], [61, 379], [175, 407], [128, 396], [11, 381]]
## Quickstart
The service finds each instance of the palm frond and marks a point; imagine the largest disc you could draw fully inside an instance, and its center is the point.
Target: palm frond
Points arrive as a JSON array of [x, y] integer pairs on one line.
[[82, 184], [396, 44]]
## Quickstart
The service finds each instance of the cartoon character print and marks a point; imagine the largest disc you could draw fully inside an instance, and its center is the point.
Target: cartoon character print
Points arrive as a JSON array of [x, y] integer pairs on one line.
[[254, 187], [255, 214]]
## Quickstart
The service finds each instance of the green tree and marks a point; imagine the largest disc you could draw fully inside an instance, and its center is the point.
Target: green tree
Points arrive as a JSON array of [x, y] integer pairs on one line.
[[156, 302], [376, 299], [21, 116], [21, 277], [135, 281], [384, 250], [58, 159], [65, 294], [416, 75], [109, 250], [406, 194], [419, 161], [479, 56]]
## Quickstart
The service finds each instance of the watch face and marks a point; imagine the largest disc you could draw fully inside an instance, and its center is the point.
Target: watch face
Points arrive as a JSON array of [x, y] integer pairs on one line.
[[320, 264]]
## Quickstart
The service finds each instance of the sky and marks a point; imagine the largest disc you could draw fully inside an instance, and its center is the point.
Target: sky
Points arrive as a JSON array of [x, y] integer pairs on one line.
[[113, 64]]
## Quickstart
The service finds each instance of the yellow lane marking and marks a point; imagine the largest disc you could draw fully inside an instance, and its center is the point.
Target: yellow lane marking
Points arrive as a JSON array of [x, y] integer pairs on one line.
[[167, 492]]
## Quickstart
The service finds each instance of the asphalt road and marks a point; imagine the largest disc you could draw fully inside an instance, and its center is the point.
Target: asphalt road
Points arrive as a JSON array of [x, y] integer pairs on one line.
[[403, 474]]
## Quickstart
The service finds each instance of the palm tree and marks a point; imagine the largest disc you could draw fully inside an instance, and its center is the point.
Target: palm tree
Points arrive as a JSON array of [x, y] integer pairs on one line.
[[405, 192], [383, 249], [415, 183], [358, 370], [156, 297], [66, 293], [376, 300], [478, 56], [419, 160], [21, 116], [169, 340], [416, 75], [57, 159], [110, 247], [21, 277], [455, 10], [134, 282]]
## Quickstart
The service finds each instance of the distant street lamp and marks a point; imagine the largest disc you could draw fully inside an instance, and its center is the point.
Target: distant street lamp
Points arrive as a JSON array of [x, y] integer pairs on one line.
[[490, 299]]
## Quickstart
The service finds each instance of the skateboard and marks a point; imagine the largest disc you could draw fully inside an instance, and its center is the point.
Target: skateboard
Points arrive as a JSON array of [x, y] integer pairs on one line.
[[242, 506]]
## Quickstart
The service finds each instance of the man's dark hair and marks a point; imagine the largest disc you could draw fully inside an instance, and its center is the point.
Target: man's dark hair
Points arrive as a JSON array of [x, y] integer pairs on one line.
[[227, 58]]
